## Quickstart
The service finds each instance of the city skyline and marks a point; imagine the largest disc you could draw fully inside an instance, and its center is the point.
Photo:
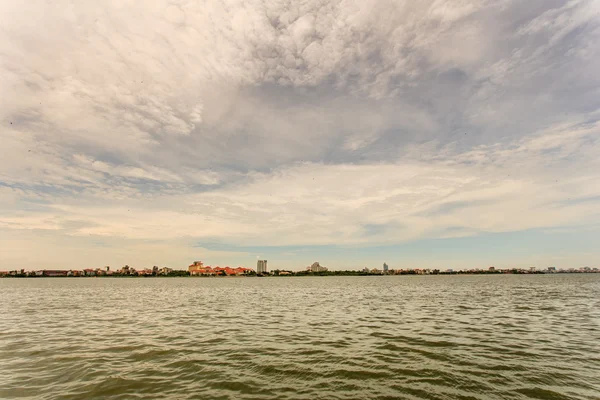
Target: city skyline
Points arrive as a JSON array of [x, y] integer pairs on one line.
[[341, 132], [199, 269]]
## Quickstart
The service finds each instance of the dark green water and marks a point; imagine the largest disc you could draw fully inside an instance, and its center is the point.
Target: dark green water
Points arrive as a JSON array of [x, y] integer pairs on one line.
[[435, 337]]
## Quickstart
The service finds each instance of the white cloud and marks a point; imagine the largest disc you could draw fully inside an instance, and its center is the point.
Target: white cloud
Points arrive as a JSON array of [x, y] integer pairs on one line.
[[491, 189]]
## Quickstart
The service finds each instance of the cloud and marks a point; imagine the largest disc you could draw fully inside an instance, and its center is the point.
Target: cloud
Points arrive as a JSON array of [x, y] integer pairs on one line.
[[491, 189]]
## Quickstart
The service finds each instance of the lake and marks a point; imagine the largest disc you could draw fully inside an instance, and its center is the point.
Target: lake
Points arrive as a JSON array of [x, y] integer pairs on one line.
[[389, 337]]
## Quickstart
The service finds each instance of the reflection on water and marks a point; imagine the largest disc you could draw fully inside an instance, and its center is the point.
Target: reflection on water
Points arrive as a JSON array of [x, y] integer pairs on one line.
[[433, 337]]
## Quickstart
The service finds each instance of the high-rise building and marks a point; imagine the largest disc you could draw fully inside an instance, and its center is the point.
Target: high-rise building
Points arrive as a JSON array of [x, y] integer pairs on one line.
[[385, 268], [261, 267]]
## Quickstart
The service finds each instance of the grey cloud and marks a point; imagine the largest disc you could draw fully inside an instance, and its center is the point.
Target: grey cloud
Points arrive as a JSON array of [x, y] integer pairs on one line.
[[475, 67]]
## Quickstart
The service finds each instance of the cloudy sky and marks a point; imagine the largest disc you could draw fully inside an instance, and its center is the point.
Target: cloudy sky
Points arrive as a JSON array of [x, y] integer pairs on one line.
[[429, 133]]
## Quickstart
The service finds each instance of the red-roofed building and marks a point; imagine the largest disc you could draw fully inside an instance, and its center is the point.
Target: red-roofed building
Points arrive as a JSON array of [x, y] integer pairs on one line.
[[145, 272], [199, 269], [54, 272]]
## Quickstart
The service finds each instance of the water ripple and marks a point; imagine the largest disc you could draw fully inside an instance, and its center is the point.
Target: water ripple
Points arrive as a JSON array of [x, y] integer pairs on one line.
[[446, 337]]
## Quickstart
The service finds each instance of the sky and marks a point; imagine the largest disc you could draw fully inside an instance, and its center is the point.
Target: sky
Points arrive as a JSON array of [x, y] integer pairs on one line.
[[425, 134]]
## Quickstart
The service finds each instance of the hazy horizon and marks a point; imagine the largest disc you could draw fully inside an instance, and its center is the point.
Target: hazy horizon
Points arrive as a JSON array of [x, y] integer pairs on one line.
[[429, 134]]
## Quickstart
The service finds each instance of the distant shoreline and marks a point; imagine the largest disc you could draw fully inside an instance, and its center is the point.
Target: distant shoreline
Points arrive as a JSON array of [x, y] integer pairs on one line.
[[299, 274]]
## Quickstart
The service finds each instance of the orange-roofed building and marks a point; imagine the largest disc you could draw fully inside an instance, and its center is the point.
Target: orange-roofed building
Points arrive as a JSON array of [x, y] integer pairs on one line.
[[145, 271], [197, 268]]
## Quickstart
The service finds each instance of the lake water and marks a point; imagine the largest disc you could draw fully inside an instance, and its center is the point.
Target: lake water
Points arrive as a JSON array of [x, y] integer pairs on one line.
[[406, 337]]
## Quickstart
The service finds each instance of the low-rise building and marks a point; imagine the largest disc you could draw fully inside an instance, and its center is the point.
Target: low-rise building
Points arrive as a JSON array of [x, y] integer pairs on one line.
[[145, 272], [199, 269], [196, 267], [54, 272], [165, 271], [316, 267]]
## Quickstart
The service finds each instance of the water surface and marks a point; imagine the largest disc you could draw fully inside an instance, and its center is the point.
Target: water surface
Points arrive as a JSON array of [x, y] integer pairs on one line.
[[407, 337]]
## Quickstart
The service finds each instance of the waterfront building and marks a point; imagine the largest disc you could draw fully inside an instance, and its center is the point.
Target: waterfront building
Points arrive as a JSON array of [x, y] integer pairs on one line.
[[261, 267], [242, 271], [386, 268], [206, 271], [165, 271], [316, 267], [199, 269], [195, 267], [126, 270], [53, 272], [141, 271]]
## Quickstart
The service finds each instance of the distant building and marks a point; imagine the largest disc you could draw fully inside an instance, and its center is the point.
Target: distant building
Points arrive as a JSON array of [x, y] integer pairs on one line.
[[199, 269], [261, 267], [385, 268], [54, 273], [126, 270], [144, 272], [316, 267], [165, 271], [195, 267]]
